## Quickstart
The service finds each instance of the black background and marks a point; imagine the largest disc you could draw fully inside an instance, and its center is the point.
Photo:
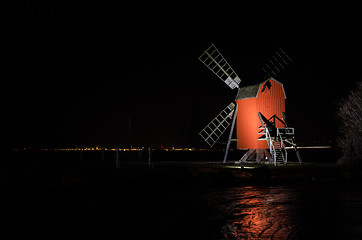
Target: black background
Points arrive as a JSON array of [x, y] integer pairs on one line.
[[92, 73]]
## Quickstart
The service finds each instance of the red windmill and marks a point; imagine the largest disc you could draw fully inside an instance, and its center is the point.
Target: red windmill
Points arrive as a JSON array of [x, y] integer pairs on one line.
[[259, 112]]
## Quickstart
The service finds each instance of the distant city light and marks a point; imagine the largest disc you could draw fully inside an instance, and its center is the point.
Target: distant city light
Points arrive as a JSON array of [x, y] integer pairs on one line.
[[135, 149], [122, 149]]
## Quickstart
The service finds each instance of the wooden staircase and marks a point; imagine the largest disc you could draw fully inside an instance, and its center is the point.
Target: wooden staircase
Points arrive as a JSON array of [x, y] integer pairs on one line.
[[278, 139], [278, 151]]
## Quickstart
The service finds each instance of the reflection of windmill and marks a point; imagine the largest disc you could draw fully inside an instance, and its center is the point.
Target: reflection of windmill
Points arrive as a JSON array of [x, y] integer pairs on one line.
[[259, 111]]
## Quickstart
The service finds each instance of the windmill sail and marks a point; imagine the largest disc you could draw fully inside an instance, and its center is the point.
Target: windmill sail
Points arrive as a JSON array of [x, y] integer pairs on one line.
[[279, 61], [213, 59], [213, 131]]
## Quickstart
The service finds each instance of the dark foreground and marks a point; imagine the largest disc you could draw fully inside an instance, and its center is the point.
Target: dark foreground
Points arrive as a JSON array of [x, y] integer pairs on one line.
[[179, 201]]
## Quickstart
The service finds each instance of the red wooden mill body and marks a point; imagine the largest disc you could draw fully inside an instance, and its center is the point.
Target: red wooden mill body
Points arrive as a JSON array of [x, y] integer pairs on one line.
[[268, 98]]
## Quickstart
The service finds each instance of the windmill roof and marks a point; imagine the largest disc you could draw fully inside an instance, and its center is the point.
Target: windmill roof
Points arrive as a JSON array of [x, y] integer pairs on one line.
[[253, 90], [248, 92]]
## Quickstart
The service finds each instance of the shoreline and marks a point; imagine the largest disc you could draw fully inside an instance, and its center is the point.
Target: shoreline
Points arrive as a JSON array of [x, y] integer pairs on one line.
[[166, 174]]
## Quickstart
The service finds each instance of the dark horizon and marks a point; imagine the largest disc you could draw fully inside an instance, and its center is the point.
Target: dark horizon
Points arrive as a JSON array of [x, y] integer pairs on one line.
[[92, 75]]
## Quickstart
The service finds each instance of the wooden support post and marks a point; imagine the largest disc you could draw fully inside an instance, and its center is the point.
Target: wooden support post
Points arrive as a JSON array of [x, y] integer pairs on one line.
[[231, 133], [149, 157], [117, 159]]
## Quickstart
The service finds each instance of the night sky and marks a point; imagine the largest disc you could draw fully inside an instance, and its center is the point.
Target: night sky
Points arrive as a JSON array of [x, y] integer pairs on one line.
[[92, 73]]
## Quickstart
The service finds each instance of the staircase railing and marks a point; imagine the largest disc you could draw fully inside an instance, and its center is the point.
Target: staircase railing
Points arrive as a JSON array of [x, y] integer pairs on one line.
[[282, 145], [269, 140]]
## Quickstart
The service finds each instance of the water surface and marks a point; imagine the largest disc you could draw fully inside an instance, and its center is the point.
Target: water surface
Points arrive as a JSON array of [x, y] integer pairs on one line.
[[293, 212]]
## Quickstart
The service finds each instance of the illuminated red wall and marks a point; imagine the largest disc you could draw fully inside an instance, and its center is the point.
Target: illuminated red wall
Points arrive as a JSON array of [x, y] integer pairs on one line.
[[269, 102]]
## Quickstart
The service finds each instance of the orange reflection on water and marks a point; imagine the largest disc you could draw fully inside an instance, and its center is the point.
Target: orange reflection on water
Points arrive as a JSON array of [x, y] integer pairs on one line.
[[261, 213]]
